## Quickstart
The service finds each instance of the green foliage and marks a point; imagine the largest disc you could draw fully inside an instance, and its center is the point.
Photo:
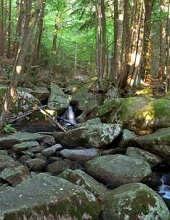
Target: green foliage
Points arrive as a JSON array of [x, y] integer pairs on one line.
[[8, 128]]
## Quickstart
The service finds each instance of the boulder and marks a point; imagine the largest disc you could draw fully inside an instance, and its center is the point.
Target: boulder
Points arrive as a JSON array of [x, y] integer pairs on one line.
[[15, 175], [58, 166], [48, 197], [92, 133], [80, 154], [36, 164], [151, 158], [25, 146], [81, 178], [58, 100], [7, 161], [18, 137], [42, 93], [157, 143], [50, 151], [134, 201], [143, 115], [115, 170]]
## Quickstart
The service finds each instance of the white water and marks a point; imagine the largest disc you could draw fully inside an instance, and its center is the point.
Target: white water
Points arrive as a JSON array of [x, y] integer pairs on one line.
[[164, 190], [70, 115]]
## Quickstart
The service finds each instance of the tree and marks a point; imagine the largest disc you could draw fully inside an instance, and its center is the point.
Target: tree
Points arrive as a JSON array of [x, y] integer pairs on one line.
[[20, 60]]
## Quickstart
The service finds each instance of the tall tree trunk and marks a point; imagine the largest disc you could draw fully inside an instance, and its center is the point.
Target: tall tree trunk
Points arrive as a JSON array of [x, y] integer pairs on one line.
[[9, 30], [118, 30], [167, 59], [101, 38], [20, 60], [123, 76], [136, 41], [146, 57], [2, 43]]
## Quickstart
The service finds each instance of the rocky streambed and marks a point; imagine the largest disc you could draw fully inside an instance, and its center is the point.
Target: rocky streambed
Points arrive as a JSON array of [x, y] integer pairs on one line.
[[107, 167], [95, 171]]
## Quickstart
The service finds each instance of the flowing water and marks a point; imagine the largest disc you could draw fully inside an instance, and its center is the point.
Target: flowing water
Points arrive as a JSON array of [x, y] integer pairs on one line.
[[164, 188]]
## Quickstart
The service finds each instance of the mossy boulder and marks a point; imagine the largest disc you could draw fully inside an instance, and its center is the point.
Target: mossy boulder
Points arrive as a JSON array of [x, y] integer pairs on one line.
[[92, 133], [48, 197], [157, 142], [81, 178], [115, 170], [134, 201], [144, 113]]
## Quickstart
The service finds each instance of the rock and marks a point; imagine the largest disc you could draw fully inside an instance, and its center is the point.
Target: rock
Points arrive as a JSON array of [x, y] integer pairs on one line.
[[18, 137], [144, 114], [115, 170], [3, 152], [36, 164], [48, 197], [42, 93], [25, 145], [15, 175], [7, 161], [40, 156], [157, 143], [81, 178], [84, 97], [58, 166], [108, 107], [127, 139], [58, 100], [134, 201], [50, 151], [152, 159], [48, 140], [24, 158], [80, 154], [92, 133]]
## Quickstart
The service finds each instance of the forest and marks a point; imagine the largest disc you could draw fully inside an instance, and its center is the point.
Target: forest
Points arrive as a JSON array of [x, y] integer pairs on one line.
[[85, 109], [126, 42]]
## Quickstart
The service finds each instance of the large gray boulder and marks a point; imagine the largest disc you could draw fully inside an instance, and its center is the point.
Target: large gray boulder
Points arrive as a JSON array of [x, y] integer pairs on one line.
[[134, 201], [48, 197], [92, 133], [115, 170]]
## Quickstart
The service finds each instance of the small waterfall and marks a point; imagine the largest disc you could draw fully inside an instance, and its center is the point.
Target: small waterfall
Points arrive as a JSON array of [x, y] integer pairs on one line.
[[70, 115], [164, 189], [68, 119]]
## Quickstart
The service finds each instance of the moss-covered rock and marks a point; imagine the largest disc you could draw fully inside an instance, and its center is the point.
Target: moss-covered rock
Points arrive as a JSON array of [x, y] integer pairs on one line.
[[48, 197], [134, 201], [157, 142], [92, 133], [115, 170], [144, 113], [81, 178]]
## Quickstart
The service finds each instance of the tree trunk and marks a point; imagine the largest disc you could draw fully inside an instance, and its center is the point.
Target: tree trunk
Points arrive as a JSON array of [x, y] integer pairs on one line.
[[146, 61], [2, 43], [101, 38], [123, 76], [9, 30]]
